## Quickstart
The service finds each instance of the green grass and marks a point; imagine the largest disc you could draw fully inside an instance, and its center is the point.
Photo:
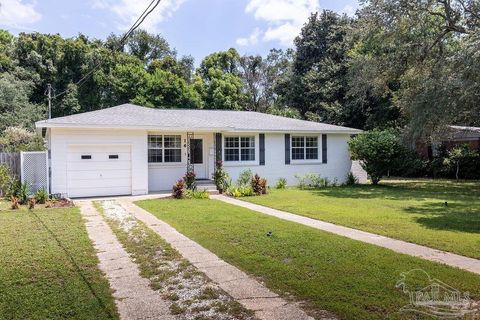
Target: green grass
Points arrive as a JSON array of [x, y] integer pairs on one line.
[[48, 268], [352, 279], [410, 210]]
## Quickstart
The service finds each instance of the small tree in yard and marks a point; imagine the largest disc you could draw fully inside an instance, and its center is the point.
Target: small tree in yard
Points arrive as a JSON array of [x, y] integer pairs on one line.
[[377, 150], [457, 157]]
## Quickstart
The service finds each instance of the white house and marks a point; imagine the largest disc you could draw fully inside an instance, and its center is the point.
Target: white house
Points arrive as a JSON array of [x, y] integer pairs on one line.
[[130, 149]]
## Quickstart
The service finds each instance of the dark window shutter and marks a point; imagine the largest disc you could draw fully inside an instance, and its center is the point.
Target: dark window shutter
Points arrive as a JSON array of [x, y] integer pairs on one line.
[[324, 148], [287, 148], [218, 146], [261, 137]]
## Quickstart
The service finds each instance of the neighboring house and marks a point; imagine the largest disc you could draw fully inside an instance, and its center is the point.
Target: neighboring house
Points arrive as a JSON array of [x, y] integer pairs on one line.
[[452, 137], [130, 149]]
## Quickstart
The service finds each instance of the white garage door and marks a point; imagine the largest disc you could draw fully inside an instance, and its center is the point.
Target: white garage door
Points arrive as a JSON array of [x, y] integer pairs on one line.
[[104, 170]]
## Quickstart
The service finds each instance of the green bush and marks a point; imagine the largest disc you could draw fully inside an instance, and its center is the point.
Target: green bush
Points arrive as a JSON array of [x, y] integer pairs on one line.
[[351, 179], [313, 181], [193, 194], [245, 177], [281, 183], [220, 177], [189, 179], [378, 151], [41, 196], [23, 193], [6, 180]]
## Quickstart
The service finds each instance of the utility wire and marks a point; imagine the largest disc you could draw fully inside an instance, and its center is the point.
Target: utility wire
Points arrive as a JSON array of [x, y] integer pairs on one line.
[[121, 43]]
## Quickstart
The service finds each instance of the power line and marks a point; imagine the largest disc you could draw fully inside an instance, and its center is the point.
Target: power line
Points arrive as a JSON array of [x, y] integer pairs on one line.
[[121, 43]]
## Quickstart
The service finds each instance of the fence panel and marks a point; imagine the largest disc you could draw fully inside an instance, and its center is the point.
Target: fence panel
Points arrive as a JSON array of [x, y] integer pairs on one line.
[[12, 160], [34, 170]]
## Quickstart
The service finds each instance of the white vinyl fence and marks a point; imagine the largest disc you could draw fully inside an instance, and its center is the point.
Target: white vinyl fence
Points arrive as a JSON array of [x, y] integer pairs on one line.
[[34, 170]]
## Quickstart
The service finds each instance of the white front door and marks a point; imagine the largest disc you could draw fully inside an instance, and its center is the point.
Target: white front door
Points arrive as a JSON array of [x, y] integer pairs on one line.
[[198, 157]]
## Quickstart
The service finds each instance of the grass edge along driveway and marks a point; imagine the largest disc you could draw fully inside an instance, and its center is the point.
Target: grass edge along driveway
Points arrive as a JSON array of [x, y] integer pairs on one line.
[[408, 210], [48, 267], [328, 272]]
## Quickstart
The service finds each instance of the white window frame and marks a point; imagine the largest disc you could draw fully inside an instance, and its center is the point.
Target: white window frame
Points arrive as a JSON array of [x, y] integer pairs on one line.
[[304, 160], [163, 149], [240, 162]]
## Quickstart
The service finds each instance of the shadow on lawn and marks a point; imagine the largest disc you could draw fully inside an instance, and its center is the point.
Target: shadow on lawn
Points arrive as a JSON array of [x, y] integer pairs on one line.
[[462, 212], [418, 190], [109, 313], [454, 217]]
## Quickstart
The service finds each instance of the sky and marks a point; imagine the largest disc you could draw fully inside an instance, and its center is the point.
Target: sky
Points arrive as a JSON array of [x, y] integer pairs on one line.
[[195, 27]]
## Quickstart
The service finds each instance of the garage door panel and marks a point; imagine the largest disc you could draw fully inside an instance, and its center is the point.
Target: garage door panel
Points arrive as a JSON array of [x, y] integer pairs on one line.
[[99, 148], [106, 174], [100, 175], [103, 183], [98, 156], [100, 192], [99, 165]]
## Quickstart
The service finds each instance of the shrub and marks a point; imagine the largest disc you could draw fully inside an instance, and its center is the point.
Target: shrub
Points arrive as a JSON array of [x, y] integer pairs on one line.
[[178, 190], [6, 180], [351, 179], [14, 202], [193, 194], [281, 183], [233, 191], [245, 177], [23, 193], [220, 177], [31, 203], [189, 179], [259, 185], [458, 157], [313, 181], [41, 195], [16, 139], [377, 150]]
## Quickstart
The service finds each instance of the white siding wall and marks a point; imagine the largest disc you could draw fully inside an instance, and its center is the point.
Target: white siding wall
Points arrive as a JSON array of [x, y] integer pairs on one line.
[[60, 139], [337, 166]]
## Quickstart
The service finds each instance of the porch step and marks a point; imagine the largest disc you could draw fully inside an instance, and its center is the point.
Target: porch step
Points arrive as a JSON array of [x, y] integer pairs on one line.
[[207, 185]]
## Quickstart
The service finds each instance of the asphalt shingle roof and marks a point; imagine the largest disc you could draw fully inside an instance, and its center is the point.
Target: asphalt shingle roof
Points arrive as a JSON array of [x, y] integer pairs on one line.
[[133, 116]]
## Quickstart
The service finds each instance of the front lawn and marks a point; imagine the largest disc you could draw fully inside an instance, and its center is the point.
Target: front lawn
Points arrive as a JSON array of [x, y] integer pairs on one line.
[[410, 210], [326, 271], [48, 267]]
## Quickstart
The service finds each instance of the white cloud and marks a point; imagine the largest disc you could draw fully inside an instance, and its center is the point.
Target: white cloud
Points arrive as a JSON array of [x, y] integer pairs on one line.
[[17, 13], [251, 40], [128, 11], [284, 18]]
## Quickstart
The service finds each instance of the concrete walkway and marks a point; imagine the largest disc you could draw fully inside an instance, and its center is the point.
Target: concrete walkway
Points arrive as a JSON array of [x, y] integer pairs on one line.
[[134, 298], [451, 259], [247, 291]]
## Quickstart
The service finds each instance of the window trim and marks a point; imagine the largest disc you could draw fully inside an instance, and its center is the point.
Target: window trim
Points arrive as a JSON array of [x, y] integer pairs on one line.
[[304, 160], [241, 162], [163, 148]]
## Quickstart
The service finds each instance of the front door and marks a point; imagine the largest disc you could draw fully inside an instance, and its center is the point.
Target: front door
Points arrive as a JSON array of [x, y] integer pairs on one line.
[[197, 157]]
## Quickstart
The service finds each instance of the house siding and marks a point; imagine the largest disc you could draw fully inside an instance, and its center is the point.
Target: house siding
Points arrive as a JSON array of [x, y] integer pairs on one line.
[[337, 167]]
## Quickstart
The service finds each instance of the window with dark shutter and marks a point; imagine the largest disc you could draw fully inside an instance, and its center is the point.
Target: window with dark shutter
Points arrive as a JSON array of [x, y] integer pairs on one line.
[[287, 148], [261, 141], [324, 148]]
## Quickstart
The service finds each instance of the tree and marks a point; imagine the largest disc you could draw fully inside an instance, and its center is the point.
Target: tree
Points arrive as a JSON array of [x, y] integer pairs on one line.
[[459, 156], [16, 139], [148, 47], [218, 81], [318, 82], [377, 150], [164, 89]]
